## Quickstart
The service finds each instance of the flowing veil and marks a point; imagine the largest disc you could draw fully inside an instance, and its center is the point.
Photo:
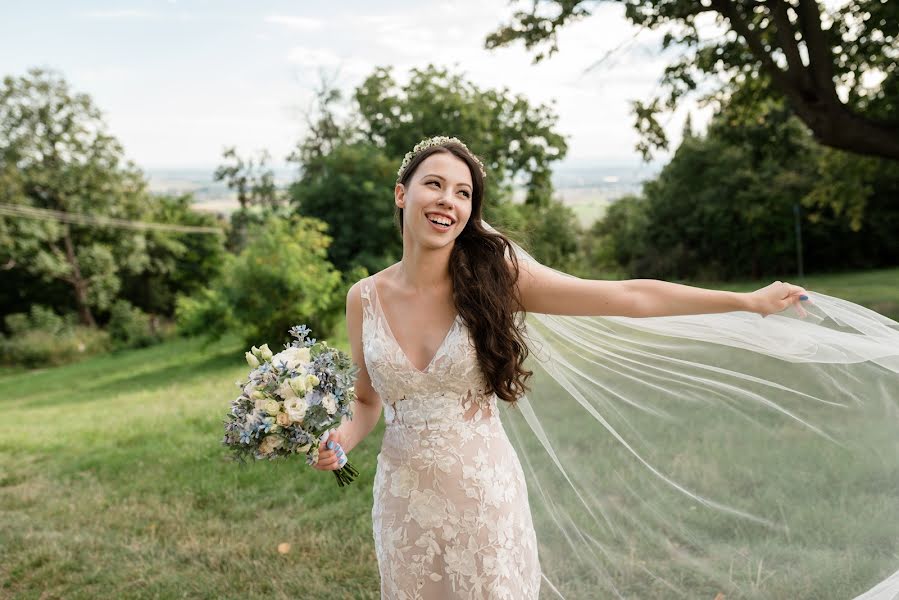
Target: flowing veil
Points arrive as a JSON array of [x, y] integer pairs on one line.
[[714, 456]]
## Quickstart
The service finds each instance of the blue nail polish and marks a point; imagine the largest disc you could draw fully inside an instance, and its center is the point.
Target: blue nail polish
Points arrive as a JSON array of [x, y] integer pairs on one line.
[[803, 297], [330, 445]]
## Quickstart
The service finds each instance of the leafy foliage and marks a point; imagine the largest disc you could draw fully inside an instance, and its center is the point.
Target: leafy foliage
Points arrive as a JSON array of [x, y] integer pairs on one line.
[[177, 263], [807, 51], [512, 137], [280, 279], [724, 207], [349, 167], [129, 326], [55, 154], [351, 188], [42, 338]]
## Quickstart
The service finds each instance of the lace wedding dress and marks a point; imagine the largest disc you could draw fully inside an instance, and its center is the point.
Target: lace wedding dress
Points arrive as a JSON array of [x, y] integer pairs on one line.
[[451, 517]]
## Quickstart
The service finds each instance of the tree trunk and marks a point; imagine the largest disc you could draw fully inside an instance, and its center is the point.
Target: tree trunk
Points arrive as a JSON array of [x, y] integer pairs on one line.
[[78, 283]]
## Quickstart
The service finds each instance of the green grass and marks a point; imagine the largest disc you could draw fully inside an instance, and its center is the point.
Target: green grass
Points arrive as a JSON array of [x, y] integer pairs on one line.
[[113, 483]]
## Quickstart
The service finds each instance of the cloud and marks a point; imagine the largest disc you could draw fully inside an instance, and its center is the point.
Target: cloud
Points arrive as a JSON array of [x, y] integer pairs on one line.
[[313, 57], [298, 23], [118, 14]]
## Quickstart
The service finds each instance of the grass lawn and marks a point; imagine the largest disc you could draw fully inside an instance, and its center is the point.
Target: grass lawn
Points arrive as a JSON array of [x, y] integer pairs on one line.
[[113, 482], [113, 485]]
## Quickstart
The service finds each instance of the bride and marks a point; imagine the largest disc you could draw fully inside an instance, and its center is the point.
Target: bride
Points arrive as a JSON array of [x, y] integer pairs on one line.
[[441, 344]]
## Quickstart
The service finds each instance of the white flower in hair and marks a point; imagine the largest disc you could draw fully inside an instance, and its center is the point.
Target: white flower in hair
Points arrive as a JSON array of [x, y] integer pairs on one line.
[[435, 141]]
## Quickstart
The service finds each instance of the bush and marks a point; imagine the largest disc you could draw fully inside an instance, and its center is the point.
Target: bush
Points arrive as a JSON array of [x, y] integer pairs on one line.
[[42, 338], [552, 236], [205, 313], [280, 279], [129, 326]]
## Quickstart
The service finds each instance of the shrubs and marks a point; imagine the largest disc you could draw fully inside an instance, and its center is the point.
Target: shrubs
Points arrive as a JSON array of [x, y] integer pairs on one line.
[[280, 279], [129, 326], [42, 338]]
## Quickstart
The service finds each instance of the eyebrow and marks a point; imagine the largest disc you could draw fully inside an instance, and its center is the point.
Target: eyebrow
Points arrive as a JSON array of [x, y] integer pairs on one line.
[[441, 177]]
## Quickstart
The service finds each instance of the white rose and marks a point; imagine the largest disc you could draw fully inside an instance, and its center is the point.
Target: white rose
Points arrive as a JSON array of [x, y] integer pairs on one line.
[[330, 403], [251, 360], [272, 407], [285, 390], [295, 409], [298, 384], [311, 381], [294, 357], [265, 353]]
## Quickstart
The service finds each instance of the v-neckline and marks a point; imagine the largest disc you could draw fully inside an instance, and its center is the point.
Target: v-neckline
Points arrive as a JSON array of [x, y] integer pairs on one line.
[[452, 326]]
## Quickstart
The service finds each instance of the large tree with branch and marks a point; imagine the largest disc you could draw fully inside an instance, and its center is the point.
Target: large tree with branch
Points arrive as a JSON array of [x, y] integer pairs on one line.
[[836, 66], [56, 154]]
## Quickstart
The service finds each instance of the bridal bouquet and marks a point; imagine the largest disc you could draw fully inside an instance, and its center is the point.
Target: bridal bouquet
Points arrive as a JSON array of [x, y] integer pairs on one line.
[[291, 400]]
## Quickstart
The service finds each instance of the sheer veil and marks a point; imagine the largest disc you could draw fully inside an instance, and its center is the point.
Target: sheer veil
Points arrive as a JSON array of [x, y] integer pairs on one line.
[[713, 456]]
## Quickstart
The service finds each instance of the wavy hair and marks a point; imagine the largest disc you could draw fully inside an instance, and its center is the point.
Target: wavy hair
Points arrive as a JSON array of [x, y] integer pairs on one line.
[[484, 290]]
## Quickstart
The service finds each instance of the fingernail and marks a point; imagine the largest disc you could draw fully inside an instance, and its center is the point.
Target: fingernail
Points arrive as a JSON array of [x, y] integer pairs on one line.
[[803, 297], [330, 445]]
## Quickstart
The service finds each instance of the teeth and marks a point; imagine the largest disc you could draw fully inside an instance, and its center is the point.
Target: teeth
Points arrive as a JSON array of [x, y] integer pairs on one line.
[[441, 220]]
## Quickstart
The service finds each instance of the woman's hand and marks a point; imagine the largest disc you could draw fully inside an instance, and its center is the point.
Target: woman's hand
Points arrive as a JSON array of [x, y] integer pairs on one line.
[[331, 455], [778, 297]]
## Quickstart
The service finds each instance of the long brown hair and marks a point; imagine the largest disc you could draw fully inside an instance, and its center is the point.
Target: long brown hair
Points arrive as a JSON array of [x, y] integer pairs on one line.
[[484, 289]]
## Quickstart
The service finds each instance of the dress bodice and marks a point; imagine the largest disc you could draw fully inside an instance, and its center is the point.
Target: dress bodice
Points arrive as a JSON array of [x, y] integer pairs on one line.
[[449, 390]]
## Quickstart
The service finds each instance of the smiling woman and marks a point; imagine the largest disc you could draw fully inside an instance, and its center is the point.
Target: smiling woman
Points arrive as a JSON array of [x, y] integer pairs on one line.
[[673, 442]]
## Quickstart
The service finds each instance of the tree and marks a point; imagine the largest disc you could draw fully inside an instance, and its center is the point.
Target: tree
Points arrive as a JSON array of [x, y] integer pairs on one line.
[[281, 278], [351, 188], [349, 167], [326, 131], [252, 179], [808, 53], [257, 193], [722, 208], [512, 137], [55, 154], [177, 263]]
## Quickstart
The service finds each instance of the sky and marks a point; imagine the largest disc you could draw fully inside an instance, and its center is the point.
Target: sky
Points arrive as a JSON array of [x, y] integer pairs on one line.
[[180, 80]]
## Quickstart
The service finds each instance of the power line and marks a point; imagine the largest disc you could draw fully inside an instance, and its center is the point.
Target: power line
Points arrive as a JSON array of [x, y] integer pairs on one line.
[[46, 214]]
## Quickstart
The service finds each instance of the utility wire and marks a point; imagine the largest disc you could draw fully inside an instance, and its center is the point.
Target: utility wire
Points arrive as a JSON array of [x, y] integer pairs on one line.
[[18, 210]]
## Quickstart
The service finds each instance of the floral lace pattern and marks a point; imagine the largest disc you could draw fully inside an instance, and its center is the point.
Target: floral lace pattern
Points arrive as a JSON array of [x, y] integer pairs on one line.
[[451, 516]]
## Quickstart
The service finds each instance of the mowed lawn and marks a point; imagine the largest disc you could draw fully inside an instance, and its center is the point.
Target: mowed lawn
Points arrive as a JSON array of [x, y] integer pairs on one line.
[[114, 484]]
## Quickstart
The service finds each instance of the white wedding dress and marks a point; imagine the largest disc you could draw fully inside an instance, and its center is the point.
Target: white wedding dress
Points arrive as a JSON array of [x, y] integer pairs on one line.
[[451, 517]]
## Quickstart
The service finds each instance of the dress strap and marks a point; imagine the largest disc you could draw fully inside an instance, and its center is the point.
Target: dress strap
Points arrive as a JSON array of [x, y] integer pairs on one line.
[[366, 294]]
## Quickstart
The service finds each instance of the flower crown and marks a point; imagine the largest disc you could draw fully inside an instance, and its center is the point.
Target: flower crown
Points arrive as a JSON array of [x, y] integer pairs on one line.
[[435, 141]]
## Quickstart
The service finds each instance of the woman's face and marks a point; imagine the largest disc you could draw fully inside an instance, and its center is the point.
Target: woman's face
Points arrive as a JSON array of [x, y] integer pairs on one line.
[[440, 186]]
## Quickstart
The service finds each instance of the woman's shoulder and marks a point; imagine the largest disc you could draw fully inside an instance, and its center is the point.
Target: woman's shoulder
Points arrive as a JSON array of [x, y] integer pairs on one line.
[[362, 288]]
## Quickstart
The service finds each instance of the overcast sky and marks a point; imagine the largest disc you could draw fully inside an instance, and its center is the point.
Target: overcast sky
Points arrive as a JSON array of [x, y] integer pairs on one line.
[[178, 80]]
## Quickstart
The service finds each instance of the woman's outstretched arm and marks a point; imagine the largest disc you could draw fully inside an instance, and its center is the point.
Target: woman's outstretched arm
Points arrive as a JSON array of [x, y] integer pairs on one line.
[[544, 290]]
